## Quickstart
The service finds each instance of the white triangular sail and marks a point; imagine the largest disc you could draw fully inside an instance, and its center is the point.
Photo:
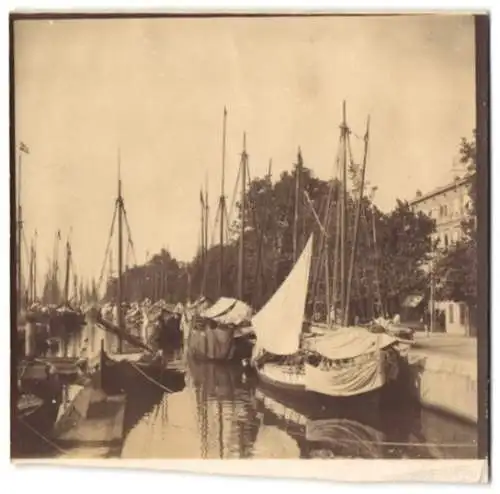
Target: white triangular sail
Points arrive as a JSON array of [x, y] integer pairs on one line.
[[278, 324]]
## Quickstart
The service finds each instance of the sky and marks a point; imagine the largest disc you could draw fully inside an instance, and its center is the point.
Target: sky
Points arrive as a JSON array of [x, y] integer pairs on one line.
[[152, 91]]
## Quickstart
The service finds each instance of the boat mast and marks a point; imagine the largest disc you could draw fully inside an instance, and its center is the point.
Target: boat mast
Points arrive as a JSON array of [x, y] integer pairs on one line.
[[55, 271], [298, 170], [206, 218], [22, 149], [222, 205], [356, 224], [343, 213], [34, 266], [202, 230], [119, 204], [241, 267], [67, 274]]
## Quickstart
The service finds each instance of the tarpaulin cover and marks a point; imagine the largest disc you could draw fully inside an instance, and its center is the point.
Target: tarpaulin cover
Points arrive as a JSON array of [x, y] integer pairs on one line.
[[228, 311], [348, 343], [346, 380]]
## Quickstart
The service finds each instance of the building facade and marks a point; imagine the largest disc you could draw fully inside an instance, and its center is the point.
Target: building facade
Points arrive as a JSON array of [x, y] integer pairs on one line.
[[448, 206]]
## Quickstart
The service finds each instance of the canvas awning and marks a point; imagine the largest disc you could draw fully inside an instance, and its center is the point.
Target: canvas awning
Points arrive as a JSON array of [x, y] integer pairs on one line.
[[228, 311]]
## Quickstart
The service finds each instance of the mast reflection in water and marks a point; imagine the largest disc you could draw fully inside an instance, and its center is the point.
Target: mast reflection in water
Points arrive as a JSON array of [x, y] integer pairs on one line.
[[222, 413]]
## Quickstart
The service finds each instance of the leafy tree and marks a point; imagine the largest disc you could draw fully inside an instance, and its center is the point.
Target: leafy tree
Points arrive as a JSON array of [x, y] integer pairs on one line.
[[404, 242], [456, 269]]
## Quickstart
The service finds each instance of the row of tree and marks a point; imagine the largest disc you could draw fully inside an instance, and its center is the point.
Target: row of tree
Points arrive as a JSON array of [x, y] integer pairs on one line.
[[403, 239], [393, 250]]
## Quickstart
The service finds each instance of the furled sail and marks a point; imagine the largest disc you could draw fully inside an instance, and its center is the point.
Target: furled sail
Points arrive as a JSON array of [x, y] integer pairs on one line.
[[279, 323]]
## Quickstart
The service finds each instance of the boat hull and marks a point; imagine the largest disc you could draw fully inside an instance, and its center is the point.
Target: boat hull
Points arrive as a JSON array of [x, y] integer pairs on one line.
[[366, 408], [126, 375], [219, 345], [32, 427]]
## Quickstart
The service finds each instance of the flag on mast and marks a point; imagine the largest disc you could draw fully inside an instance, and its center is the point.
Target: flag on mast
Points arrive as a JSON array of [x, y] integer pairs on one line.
[[23, 148]]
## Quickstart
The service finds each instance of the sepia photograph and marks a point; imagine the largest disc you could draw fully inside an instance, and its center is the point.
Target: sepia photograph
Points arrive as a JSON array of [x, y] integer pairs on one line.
[[249, 236]]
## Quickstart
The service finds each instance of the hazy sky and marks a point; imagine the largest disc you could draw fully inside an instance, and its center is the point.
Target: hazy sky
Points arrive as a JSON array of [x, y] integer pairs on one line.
[[156, 89]]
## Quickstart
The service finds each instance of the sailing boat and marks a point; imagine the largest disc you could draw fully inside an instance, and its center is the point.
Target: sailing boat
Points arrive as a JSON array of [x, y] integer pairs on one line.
[[116, 371], [354, 363], [223, 331]]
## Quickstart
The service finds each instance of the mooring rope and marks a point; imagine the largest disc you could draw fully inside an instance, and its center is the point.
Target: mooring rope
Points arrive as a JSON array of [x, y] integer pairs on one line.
[[41, 436], [150, 379]]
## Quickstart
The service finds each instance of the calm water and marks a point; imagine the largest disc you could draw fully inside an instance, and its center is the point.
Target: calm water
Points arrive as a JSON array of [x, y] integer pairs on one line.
[[223, 413]]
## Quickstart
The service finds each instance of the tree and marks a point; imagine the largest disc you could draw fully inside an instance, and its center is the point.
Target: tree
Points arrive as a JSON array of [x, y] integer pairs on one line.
[[456, 269], [405, 248]]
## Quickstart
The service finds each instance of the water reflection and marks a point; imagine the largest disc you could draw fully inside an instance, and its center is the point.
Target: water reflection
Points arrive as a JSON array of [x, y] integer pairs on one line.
[[223, 413]]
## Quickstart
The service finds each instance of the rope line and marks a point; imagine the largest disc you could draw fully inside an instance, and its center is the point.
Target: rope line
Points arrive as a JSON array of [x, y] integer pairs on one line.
[[101, 276], [425, 445], [150, 379], [41, 436]]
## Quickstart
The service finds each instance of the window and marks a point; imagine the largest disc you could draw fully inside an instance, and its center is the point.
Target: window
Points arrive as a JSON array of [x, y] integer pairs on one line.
[[450, 313], [446, 242], [462, 314]]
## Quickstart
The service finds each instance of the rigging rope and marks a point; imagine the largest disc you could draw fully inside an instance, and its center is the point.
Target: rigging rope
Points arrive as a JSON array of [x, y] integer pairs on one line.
[[41, 436], [150, 379], [235, 190], [129, 232], [101, 276]]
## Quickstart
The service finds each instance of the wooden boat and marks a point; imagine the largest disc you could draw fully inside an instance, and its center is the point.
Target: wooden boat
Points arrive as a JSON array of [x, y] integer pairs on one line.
[[349, 367], [118, 371], [125, 372], [37, 405], [222, 332]]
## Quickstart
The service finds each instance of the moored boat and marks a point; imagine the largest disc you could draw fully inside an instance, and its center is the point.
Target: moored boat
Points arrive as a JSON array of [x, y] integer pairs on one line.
[[222, 332], [347, 366], [36, 410]]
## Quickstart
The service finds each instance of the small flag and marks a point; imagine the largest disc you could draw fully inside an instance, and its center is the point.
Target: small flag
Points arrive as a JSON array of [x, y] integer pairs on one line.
[[23, 148], [59, 234], [201, 197]]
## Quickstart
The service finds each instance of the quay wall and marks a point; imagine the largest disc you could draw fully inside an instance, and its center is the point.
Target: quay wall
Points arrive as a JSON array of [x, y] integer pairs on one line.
[[445, 383]]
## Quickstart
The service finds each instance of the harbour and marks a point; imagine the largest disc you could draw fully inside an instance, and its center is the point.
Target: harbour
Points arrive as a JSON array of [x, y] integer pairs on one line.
[[223, 414], [317, 312]]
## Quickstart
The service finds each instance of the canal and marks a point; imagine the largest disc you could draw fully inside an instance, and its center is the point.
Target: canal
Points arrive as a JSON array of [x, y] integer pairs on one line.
[[223, 413]]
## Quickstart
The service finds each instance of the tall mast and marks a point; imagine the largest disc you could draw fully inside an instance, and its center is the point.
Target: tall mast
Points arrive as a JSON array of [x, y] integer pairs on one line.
[[120, 253], [202, 230], [356, 224], [222, 205], [19, 231], [30, 277], [206, 217], [67, 274], [343, 214], [34, 266], [296, 211], [241, 263], [55, 272]]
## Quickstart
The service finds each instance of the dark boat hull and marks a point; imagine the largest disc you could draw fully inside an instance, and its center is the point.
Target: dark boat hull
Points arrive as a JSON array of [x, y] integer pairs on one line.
[[127, 375], [31, 430], [219, 346]]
